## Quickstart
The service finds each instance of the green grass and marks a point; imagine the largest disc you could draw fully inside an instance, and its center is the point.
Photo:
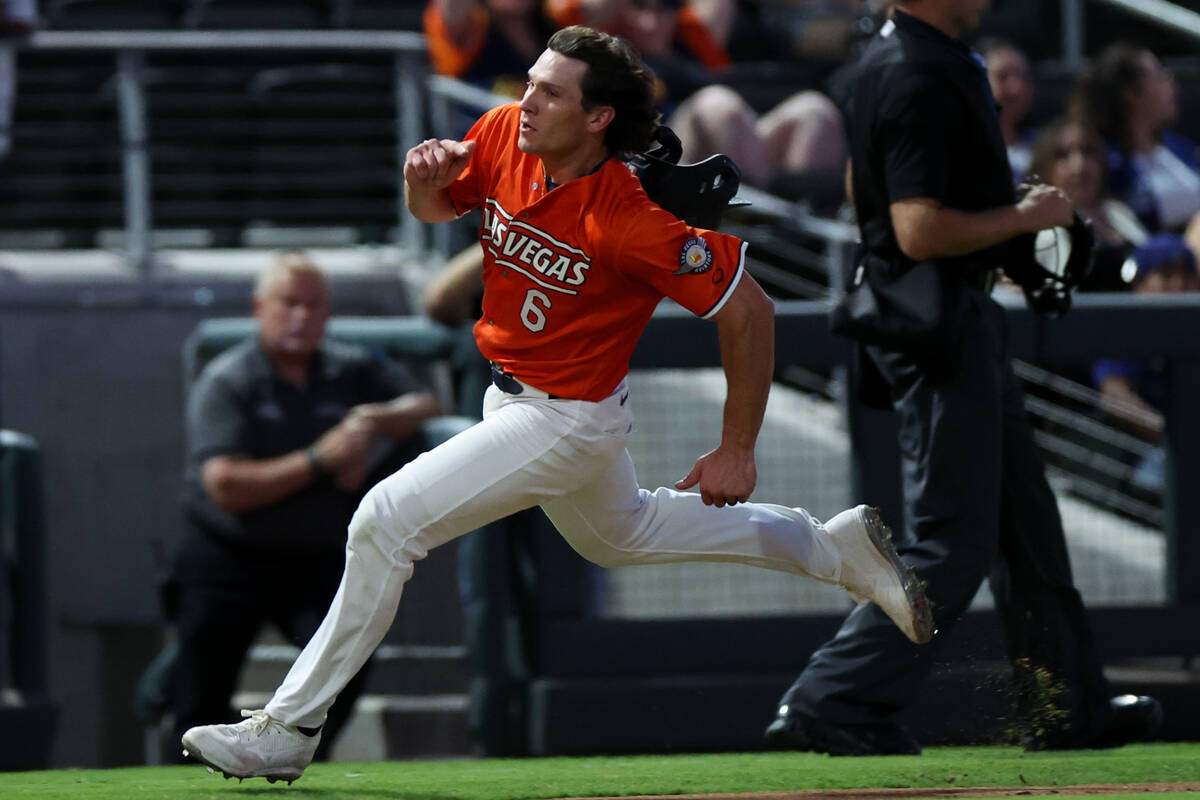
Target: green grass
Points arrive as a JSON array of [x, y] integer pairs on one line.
[[526, 779]]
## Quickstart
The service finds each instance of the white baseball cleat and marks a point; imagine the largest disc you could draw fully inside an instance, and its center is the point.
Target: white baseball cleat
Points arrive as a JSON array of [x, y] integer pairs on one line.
[[258, 747], [873, 572]]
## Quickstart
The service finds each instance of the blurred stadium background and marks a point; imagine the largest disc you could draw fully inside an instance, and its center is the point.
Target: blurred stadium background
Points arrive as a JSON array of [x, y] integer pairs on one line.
[[163, 149]]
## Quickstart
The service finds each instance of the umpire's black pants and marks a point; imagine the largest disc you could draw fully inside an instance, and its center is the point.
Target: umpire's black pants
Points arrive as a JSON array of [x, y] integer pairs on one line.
[[978, 505]]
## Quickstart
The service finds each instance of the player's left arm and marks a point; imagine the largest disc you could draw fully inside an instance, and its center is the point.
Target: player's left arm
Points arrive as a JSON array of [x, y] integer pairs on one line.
[[746, 331]]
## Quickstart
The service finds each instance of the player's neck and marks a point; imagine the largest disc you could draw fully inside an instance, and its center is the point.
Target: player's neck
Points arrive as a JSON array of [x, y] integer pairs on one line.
[[576, 164]]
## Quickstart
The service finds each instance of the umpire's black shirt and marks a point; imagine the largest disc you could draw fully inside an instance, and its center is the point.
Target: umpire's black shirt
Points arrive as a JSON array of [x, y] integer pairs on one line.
[[922, 123]]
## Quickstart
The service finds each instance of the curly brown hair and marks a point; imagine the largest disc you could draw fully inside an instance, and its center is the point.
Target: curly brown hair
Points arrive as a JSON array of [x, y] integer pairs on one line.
[[616, 77]]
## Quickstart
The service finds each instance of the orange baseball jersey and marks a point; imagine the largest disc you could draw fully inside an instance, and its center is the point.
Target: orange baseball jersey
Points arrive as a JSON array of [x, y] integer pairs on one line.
[[571, 276]]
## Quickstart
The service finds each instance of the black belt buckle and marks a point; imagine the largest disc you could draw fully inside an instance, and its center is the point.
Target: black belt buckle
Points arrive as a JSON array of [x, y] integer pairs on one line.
[[504, 382]]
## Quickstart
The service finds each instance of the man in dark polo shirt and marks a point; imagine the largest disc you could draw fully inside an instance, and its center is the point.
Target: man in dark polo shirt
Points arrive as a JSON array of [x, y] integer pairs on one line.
[[286, 431], [932, 185]]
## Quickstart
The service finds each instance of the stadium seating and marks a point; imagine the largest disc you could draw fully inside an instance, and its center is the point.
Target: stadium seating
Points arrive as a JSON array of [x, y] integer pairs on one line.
[[257, 15], [245, 139], [323, 146], [65, 169], [379, 15], [234, 139], [197, 142], [126, 15]]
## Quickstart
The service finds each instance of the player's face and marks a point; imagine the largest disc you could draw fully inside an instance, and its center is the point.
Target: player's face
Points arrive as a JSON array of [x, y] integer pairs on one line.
[[292, 314], [553, 120]]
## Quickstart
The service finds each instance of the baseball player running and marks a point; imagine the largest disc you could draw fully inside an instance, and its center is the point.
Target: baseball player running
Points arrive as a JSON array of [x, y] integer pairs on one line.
[[577, 258]]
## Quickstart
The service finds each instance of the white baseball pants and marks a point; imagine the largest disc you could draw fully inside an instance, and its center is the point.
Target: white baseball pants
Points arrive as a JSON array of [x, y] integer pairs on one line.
[[569, 457]]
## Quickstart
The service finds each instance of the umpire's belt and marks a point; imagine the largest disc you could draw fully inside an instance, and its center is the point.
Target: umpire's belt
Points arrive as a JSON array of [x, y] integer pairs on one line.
[[510, 385]]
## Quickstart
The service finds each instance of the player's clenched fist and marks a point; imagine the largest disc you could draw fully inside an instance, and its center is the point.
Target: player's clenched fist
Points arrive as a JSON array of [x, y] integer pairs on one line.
[[435, 163]]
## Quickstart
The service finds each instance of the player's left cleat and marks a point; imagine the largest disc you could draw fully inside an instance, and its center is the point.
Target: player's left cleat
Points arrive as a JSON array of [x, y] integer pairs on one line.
[[257, 747], [872, 571]]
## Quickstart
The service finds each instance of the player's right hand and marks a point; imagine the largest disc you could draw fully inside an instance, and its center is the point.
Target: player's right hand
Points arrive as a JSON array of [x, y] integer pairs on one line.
[[435, 163], [724, 476], [1045, 206]]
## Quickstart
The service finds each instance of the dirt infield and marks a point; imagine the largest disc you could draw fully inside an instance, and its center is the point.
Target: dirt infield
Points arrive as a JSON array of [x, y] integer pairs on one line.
[[900, 793]]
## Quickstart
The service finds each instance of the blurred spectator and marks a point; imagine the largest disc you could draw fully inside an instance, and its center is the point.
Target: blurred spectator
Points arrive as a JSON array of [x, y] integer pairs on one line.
[[1034, 25], [488, 43], [821, 34], [1130, 99], [17, 19], [1012, 87], [685, 45], [453, 295], [1070, 155], [1134, 391], [286, 432], [501, 565]]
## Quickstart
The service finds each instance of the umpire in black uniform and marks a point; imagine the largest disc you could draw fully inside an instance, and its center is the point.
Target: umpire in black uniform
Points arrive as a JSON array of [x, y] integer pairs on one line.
[[934, 199]]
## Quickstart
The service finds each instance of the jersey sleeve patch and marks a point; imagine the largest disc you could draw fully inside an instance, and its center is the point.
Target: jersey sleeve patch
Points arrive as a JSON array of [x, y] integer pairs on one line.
[[694, 257]]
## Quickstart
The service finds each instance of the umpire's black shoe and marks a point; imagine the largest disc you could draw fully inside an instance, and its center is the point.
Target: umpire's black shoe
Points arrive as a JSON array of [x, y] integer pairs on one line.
[[1135, 718], [792, 730]]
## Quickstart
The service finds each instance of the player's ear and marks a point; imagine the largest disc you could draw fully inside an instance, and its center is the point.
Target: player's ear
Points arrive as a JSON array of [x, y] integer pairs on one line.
[[598, 118]]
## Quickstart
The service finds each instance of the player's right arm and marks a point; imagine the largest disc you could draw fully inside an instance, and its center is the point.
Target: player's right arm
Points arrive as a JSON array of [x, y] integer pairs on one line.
[[746, 332], [429, 169]]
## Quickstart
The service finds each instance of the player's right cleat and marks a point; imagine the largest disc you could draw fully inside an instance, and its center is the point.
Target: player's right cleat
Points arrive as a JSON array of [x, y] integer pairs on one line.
[[872, 571], [257, 747]]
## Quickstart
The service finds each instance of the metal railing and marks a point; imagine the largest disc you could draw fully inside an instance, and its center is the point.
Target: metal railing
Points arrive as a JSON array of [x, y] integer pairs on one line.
[[129, 48], [1168, 15], [1087, 443]]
